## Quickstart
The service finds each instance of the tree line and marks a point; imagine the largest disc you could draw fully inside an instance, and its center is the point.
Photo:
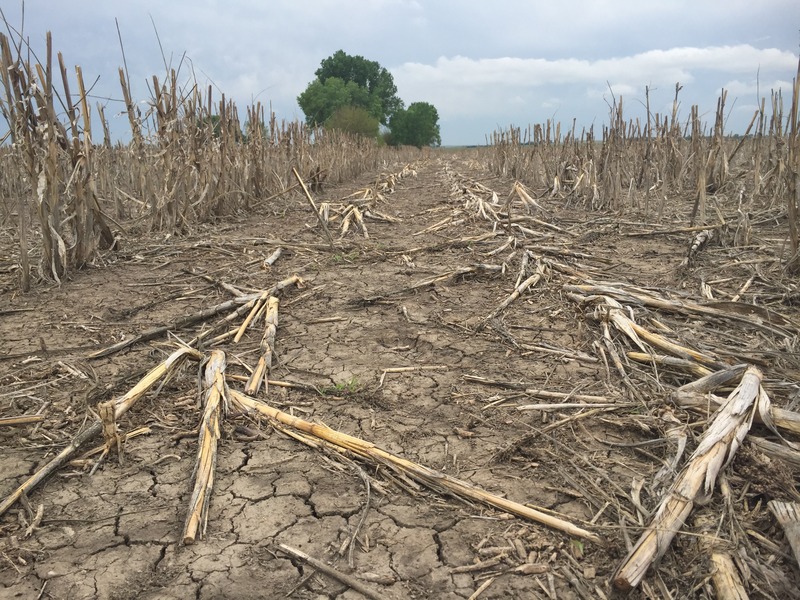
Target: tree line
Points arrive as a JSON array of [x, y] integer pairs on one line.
[[353, 94]]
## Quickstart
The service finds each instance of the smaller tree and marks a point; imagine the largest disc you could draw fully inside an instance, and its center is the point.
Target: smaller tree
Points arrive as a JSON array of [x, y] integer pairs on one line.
[[418, 125], [355, 120]]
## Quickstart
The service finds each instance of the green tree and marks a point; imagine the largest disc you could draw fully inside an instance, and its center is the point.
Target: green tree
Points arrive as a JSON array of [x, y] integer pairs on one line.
[[354, 119], [321, 100], [344, 80], [418, 125]]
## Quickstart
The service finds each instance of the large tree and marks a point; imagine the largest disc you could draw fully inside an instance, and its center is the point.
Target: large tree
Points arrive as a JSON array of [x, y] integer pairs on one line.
[[416, 126], [344, 80]]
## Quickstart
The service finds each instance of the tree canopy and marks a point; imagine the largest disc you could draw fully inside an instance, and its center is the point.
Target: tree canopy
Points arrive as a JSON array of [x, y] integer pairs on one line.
[[321, 99], [367, 74], [418, 125], [344, 80], [354, 94]]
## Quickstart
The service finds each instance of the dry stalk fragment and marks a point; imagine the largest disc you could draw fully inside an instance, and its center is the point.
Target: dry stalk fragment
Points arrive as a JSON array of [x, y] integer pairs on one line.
[[755, 316], [773, 417], [261, 372], [410, 370], [699, 242], [435, 480], [349, 581], [314, 209], [113, 439], [788, 516], [20, 420], [518, 291], [775, 450], [716, 449], [241, 305], [724, 574], [215, 401], [430, 281], [608, 309]]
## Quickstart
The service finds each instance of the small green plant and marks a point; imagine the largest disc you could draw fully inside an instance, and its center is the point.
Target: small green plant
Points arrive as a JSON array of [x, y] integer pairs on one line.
[[339, 258], [351, 386]]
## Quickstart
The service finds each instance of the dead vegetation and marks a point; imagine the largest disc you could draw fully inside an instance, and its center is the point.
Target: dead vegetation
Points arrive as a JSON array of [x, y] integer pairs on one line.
[[189, 160]]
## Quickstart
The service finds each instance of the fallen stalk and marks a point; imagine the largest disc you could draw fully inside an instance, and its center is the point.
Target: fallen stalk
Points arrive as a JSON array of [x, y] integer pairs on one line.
[[215, 399], [264, 366], [320, 566], [697, 479], [433, 281], [433, 479], [241, 304]]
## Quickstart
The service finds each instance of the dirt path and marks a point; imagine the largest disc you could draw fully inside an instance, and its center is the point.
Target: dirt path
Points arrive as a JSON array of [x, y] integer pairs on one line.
[[116, 534]]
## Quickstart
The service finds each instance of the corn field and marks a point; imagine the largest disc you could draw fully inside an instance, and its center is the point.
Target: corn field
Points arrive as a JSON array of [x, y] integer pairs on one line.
[[191, 159], [491, 372], [641, 166], [72, 192]]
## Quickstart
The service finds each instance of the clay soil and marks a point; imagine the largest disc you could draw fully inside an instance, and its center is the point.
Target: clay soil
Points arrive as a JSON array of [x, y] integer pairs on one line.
[[117, 533]]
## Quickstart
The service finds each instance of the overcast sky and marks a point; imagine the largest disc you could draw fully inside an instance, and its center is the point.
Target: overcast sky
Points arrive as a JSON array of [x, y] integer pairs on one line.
[[484, 64]]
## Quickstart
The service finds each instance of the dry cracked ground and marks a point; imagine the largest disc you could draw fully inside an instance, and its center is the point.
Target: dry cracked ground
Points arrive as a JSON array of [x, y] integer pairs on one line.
[[117, 533]]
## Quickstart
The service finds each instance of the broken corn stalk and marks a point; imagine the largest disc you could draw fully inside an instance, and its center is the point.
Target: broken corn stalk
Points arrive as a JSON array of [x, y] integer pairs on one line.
[[432, 479], [215, 399]]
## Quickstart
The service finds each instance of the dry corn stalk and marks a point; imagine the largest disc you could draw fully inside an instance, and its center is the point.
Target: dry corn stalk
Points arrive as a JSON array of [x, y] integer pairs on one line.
[[755, 316], [788, 515], [609, 309], [314, 208], [242, 304], [526, 198], [110, 429], [699, 242], [20, 420], [696, 481], [433, 479], [261, 372], [776, 419], [433, 280], [697, 395], [724, 574], [322, 567], [670, 361], [518, 291], [215, 400], [252, 316], [121, 406]]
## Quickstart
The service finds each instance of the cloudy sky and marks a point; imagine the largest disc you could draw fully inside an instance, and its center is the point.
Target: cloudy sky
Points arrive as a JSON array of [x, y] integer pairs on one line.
[[484, 64]]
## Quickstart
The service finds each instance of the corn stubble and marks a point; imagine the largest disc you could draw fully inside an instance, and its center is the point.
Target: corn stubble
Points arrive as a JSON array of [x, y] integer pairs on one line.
[[640, 166], [190, 159]]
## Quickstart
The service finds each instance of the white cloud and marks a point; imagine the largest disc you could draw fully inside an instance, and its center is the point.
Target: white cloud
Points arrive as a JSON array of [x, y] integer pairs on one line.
[[525, 90], [754, 88], [655, 66]]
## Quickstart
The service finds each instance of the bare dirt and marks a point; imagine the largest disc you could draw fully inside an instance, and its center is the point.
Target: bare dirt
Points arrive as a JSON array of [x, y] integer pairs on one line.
[[116, 533]]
